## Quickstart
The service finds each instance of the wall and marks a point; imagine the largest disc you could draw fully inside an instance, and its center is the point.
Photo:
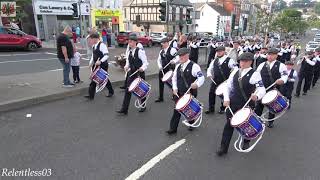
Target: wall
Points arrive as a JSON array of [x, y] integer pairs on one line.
[[208, 20]]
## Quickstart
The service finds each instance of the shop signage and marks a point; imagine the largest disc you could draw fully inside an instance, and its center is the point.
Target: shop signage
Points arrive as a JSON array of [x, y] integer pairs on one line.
[[99, 12], [53, 8], [8, 9]]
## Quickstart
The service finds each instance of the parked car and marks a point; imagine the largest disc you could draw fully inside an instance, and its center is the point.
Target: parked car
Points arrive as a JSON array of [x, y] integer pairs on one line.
[[122, 38], [144, 39], [157, 37], [312, 45], [317, 39], [14, 38]]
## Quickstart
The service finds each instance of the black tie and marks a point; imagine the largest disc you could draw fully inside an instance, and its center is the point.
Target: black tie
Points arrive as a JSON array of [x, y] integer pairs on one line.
[[130, 54]]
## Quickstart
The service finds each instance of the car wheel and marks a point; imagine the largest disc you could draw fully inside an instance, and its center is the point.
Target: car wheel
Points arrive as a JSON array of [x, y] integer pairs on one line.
[[32, 46]]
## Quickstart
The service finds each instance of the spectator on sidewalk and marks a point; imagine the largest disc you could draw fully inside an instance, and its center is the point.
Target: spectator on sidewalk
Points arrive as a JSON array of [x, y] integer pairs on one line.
[[104, 35], [65, 53], [75, 64]]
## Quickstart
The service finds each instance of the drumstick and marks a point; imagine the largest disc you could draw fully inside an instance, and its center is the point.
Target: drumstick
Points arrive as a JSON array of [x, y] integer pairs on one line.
[[271, 86], [249, 99], [162, 72], [213, 81], [166, 65], [191, 86], [134, 73], [229, 110]]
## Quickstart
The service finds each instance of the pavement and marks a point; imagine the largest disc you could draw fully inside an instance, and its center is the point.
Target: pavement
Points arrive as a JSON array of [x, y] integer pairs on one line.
[[77, 139], [22, 90]]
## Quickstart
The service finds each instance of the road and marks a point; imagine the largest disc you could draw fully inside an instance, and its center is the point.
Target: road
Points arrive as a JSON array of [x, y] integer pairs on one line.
[[88, 140], [22, 62]]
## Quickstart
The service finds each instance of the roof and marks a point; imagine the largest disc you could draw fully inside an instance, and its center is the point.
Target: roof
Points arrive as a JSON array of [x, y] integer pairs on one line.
[[197, 5], [181, 2], [219, 9]]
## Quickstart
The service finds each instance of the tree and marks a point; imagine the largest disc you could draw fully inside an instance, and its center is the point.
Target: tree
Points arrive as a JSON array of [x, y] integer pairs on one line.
[[289, 20], [317, 8], [279, 5]]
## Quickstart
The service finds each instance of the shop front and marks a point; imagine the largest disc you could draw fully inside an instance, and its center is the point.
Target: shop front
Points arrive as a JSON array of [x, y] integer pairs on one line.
[[111, 20]]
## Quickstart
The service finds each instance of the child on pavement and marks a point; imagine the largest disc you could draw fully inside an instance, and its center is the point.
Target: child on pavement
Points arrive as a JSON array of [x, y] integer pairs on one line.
[[75, 64], [288, 87]]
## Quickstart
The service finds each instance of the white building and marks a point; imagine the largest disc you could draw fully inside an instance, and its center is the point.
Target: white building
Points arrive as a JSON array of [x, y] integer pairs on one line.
[[214, 19]]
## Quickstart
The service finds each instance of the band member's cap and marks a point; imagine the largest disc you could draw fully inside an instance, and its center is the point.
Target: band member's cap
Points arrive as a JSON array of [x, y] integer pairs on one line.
[[317, 49], [94, 35], [289, 63], [183, 51], [164, 40], [133, 37], [221, 48], [273, 51], [238, 42], [247, 56]]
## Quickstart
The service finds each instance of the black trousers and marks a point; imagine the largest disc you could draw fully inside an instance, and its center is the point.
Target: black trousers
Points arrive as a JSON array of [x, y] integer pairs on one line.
[[212, 97], [307, 77], [76, 73], [316, 75], [287, 91], [228, 131], [259, 110], [175, 119], [161, 84], [92, 86], [127, 95]]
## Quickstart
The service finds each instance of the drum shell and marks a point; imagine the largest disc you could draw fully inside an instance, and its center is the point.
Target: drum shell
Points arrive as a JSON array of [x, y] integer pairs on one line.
[[141, 90], [99, 76], [278, 105], [192, 110]]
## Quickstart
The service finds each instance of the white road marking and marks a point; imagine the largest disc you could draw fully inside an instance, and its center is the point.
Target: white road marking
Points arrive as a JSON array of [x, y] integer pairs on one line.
[[51, 53], [140, 172], [31, 60], [4, 55], [85, 59], [62, 69], [29, 115]]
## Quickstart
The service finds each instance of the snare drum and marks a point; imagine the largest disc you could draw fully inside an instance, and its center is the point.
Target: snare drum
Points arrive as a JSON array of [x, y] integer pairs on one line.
[[99, 76], [221, 88], [189, 107], [248, 124], [140, 88], [167, 78], [275, 101]]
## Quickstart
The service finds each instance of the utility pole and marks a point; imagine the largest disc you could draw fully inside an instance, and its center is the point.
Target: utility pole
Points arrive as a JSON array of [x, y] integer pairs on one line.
[[167, 15]]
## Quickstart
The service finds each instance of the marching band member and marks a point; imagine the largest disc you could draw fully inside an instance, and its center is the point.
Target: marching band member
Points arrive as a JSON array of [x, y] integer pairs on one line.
[[236, 51], [271, 71], [166, 56], [136, 61], [99, 58], [288, 87], [241, 86], [184, 76], [194, 50], [212, 53], [219, 71], [261, 57], [305, 73], [172, 42], [283, 53], [316, 71]]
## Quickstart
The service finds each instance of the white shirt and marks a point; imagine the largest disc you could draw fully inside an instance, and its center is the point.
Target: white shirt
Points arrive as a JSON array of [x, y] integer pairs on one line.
[[174, 43], [75, 61], [232, 65], [295, 75], [317, 58], [194, 44], [312, 62], [139, 45], [254, 80], [173, 51], [142, 56], [214, 45], [196, 72], [282, 69], [103, 49]]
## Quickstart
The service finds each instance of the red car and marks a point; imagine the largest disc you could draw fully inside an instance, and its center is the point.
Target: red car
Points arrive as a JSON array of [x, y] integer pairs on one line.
[[11, 37], [123, 37]]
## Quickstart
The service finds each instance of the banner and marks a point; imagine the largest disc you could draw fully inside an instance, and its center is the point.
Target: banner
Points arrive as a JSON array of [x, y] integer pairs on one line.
[[8, 9]]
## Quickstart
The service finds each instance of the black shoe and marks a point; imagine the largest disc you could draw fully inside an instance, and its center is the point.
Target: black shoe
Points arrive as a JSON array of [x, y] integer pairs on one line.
[[297, 95], [110, 95], [245, 145], [221, 152], [122, 87], [221, 112], [209, 111], [88, 97], [304, 93], [270, 125], [191, 128], [170, 131], [158, 100], [122, 112], [142, 109]]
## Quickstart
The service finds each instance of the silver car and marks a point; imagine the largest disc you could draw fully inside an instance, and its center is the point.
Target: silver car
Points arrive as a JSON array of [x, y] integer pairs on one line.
[[156, 37]]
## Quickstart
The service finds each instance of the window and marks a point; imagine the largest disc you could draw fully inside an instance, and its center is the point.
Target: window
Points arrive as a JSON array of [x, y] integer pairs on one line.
[[202, 13], [3, 30]]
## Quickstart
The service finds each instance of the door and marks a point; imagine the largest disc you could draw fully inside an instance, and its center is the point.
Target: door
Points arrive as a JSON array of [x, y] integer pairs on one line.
[[15, 38]]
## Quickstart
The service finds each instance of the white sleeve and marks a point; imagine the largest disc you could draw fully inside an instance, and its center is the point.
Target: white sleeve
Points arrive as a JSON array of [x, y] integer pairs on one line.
[[283, 72], [196, 72], [174, 78], [193, 45], [159, 61], [143, 57], [311, 62], [175, 44], [91, 60], [105, 52], [173, 52], [232, 64], [257, 81], [260, 67], [127, 57], [226, 94], [210, 68]]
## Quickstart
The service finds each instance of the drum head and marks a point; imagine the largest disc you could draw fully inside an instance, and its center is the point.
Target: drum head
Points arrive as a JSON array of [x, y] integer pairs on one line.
[[134, 84], [182, 102], [221, 88], [240, 116], [269, 97], [167, 76]]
